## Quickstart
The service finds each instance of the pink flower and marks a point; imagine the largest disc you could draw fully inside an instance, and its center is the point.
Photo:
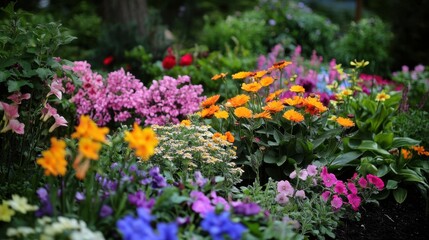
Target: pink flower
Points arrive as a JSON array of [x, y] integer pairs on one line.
[[108, 60], [48, 112], [354, 200], [326, 195], [362, 182], [282, 198], [59, 121], [352, 188], [15, 126], [303, 175], [311, 170], [186, 60], [379, 184], [292, 175], [328, 179], [300, 194], [285, 187], [336, 202], [340, 188], [56, 88], [17, 97], [10, 111]]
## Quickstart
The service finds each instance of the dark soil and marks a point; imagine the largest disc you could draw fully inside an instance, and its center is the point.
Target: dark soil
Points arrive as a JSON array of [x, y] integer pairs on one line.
[[390, 220]]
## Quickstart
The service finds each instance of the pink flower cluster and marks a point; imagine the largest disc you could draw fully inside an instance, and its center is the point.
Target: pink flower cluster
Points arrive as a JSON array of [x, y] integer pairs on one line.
[[10, 113], [121, 97], [202, 204]]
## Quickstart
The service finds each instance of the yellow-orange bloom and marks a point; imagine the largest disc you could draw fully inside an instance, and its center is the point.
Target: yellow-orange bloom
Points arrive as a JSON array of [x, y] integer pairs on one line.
[[406, 154], [266, 81], [221, 114], [293, 116], [273, 95], [242, 75], [243, 112], [238, 100], [297, 89], [229, 137], [279, 65], [381, 97], [210, 111], [314, 106], [143, 141], [53, 160], [251, 87], [210, 101], [296, 100], [347, 92], [345, 122], [89, 129], [89, 148], [261, 73], [274, 106], [264, 114], [218, 135], [185, 122], [219, 76], [420, 150]]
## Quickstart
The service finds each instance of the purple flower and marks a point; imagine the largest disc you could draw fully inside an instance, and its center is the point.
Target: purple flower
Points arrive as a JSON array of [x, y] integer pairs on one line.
[[247, 209], [158, 181], [200, 181], [79, 196], [45, 208], [105, 211], [139, 200]]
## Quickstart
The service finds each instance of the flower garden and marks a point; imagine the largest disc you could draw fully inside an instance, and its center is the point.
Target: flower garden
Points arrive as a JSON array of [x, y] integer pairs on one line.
[[209, 142]]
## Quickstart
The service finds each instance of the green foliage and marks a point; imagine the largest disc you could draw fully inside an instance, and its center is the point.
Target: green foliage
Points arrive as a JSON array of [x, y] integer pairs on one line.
[[368, 39], [412, 124]]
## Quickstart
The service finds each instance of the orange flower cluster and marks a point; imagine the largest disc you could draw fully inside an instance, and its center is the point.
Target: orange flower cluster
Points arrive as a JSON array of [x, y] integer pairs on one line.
[[251, 87], [210, 101], [293, 116], [274, 106], [54, 160], [219, 76], [90, 139], [243, 112], [345, 122], [421, 150], [143, 141], [238, 100], [406, 154], [186, 123], [264, 114], [227, 137], [313, 106]]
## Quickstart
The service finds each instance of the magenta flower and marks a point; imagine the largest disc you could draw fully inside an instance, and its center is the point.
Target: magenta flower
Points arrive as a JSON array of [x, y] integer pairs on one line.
[[336, 202], [219, 201], [59, 121], [362, 182], [48, 112], [379, 184], [17, 97], [311, 170], [201, 204], [328, 179], [326, 195], [354, 201], [10, 111], [15, 126], [282, 198], [56, 88], [352, 187], [285, 187], [340, 188]]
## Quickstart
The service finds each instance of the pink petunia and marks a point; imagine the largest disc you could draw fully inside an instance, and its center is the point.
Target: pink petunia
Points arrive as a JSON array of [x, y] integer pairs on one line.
[[326, 195], [10, 111], [362, 182], [292, 175], [285, 187], [311, 170], [336, 202], [300, 194], [282, 198], [340, 188], [48, 112], [328, 179], [379, 184], [352, 187], [354, 201], [56, 88], [303, 175], [59, 121]]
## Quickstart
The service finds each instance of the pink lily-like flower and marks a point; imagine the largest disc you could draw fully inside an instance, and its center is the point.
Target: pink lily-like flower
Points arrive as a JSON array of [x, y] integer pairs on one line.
[[56, 88], [48, 112], [10, 111], [59, 121], [17, 97], [15, 126]]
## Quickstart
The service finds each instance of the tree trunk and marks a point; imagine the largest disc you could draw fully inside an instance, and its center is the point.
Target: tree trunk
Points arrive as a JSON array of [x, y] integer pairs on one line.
[[358, 12], [126, 12]]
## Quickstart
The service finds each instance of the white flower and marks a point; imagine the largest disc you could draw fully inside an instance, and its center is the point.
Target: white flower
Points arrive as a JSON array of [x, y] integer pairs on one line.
[[19, 232], [20, 204]]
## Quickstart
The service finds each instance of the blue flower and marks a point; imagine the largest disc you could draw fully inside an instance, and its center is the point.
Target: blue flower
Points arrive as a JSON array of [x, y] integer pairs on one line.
[[220, 225]]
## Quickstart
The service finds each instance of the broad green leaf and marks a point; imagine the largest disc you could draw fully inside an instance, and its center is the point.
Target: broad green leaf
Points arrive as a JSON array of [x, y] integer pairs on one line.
[[344, 159], [4, 76], [384, 139], [400, 194], [13, 86], [392, 184], [282, 160], [372, 146], [44, 73], [404, 142]]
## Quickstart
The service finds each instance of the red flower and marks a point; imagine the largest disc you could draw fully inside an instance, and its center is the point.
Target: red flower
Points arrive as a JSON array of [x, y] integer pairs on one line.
[[108, 60], [169, 62], [186, 60]]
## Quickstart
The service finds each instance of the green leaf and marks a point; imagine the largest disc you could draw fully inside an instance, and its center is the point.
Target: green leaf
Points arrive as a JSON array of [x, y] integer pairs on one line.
[[384, 139], [368, 145], [344, 159], [404, 142], [282, 160], [44, 73], [392, 184], [4, 76], [13, 86], [400, 194]]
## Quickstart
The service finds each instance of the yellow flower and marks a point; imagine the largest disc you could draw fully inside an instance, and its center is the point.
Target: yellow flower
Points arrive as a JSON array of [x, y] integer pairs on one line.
[[219, 76], [251, 87], [208, 112], [20, 204], [314, 106], [53, 160], [347, 92], [381, 97], [407, 154], [260, 74], [89, 148], [238, 100], [143, 141], [345, 122], [360, 64], [266, 81], [263, 114], [293, 116], [186, 123], [5, 212], [274, 106], [229, 137], [242, 75], [89, 129], [296, 100], [210, 101], [218, 135], [297, 89], [333, 118], [279, 65], [221, 114], [273, 95], [243, 112]]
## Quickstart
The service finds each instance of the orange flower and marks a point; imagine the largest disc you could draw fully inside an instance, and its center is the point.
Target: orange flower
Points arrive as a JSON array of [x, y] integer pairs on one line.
[[242, 75], [297, 89], [274, 106], [279, 65], [345, 122], [264, 114], [185, 122], [243, 112], [273, 95], [89, 129], [81, 167], [218, 135], [293, 116], [229, 137], [314, 106], [143, 141], [53, 160], [420, 150], [210, 101], [208, 112], [251, 87], [89, 148], [266, 81], [219, 76], [406, 154], [238, 100], [260, 74], [221, 114], [296, 100]]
